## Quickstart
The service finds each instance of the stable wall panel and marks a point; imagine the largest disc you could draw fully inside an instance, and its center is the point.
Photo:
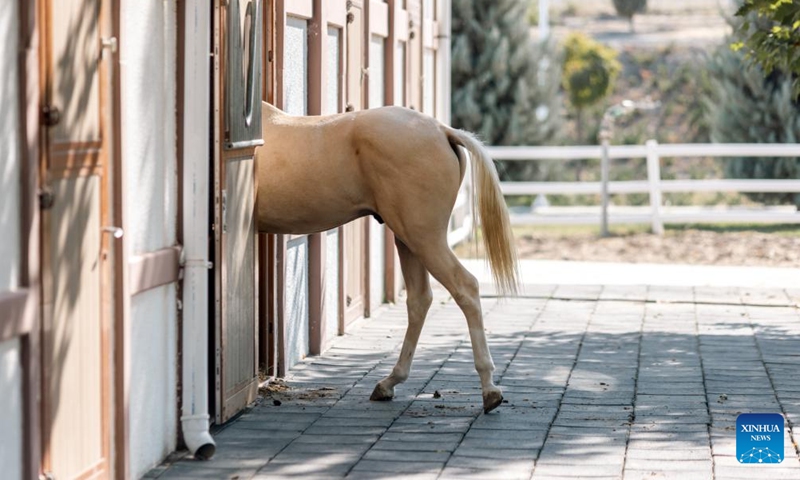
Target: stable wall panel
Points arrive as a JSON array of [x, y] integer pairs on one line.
[[377, 264], [149, 156], [10, 147], [153, 393], [331, 285], [11, 413], [296, 301]]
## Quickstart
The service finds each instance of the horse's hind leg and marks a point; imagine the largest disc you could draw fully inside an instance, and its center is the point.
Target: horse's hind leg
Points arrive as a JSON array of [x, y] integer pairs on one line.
[[463, 286], [418, 301]]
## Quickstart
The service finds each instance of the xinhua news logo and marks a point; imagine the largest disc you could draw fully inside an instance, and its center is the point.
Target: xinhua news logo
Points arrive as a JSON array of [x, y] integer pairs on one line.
[[759, 438]]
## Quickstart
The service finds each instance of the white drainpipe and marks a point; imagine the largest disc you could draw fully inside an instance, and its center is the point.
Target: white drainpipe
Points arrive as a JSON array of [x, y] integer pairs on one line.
[[196, 161]]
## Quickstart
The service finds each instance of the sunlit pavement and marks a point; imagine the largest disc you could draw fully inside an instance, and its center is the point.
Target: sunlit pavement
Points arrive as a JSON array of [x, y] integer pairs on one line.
[[601, 381]]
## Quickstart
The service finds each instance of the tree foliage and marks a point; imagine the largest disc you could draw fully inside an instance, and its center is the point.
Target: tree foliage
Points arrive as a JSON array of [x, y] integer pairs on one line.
[[505, 86], [746, 105], [629, 8], [770, 35], [590, 69]]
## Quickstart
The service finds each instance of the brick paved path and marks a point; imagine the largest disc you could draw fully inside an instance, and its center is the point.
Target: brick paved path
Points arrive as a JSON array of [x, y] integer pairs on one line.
[[600, 382]]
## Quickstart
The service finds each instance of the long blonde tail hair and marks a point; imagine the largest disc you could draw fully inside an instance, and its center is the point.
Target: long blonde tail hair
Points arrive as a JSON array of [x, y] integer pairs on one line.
[[490, 207]]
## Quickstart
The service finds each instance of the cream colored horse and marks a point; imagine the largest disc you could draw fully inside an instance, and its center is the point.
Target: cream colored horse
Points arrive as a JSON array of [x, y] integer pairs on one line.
[[317, 173]]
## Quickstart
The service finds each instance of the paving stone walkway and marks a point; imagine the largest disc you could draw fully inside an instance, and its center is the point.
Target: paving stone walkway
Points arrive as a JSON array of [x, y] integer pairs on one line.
[[601, 382]]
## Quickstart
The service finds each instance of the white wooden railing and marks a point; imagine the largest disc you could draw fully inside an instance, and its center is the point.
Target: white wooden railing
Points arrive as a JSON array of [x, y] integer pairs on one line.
[[656, 214]]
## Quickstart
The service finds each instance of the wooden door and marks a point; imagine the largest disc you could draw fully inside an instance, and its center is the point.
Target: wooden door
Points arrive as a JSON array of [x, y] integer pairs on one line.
[[353, 241], [76, 269], [236, 332]]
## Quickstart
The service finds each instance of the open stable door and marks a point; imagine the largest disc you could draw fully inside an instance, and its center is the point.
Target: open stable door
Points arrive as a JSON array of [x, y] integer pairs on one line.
[[353, 251], [75, 251], [237, 99]]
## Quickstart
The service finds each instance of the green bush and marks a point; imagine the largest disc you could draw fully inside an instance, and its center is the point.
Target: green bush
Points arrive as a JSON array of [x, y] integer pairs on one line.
[[747, 106], [590, 70]]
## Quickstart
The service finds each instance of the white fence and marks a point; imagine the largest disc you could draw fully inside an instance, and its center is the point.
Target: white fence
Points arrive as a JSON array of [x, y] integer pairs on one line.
[[656, 214]]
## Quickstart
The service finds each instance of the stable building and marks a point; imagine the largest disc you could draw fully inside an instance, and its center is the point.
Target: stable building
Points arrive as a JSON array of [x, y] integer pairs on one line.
[[138, 305]]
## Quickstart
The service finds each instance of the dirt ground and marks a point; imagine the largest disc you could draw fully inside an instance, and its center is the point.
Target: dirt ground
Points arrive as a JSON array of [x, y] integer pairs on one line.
[[777, 248]]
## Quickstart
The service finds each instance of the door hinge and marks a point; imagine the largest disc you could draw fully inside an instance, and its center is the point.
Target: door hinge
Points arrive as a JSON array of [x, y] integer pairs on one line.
[[46, 199], [51, 115], [224, 211]]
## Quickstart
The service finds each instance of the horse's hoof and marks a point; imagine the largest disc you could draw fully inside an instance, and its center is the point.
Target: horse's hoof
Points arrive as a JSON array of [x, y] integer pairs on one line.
[[381, 394], [492, 400]]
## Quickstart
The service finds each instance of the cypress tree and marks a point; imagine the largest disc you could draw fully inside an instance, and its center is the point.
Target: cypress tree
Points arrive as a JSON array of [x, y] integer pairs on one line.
[[505, 84]]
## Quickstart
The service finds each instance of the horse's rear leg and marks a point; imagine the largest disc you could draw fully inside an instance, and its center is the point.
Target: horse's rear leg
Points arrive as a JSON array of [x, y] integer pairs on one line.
[[418, 301], [462, 285]]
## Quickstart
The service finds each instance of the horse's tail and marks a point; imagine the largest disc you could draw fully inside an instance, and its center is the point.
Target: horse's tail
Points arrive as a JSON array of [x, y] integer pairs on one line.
[[490, 206]]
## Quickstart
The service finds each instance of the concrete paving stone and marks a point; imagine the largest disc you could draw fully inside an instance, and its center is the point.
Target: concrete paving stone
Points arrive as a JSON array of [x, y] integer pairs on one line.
[[277, 415], [324, 458], [463, 410], [647, 426], [586, 457], [405, 456], [590, 433], [492, 435], [676, 419], [286, 407], [453, 427], [458, 473], [665, 444], [326, 448], [183, 471], [342, 430], [754, 472], [340, 439], [497, 454], [579, 423], [697, 453], [579, 470], [328, 421], [675, 465], [419, 446], [238, 462], [790, 463], [341, 412], [403, 467], [651, 474], [272, 425], [501, 443], [506, 465], [421, 437], [251, 435], [303, 469], [365, 475]]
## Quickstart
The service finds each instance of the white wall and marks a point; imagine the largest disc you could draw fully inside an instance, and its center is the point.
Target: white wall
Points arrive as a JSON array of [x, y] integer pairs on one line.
[[331, 284], [11, 410], [148, 56], [295, 66], [149, 123], [153, 396], [377, 264], [377, 52], [296, 301], [9, 147]]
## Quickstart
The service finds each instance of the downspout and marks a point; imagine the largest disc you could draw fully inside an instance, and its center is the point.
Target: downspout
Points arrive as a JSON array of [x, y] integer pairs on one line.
[[196, 161]]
